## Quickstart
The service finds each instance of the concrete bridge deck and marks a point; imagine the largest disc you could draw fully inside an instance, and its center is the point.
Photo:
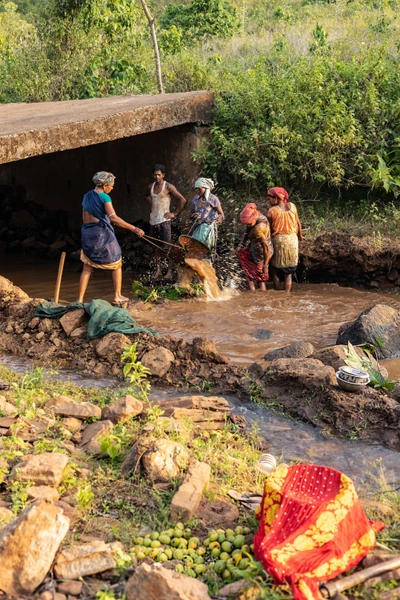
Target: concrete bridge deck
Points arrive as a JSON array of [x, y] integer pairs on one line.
[[28, 130]]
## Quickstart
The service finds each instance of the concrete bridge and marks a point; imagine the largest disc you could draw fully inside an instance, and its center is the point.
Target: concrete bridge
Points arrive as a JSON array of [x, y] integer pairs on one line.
[[49, 151]]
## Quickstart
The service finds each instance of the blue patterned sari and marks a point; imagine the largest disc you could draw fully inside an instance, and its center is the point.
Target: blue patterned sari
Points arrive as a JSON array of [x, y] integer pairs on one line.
[[99, 243]]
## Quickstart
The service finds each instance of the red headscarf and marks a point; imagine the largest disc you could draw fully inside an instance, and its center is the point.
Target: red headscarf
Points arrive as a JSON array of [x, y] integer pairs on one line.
[[249, 214], [280, 193]]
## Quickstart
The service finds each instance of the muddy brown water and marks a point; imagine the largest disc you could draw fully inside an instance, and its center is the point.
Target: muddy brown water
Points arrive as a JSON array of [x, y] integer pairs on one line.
[[311, 313]]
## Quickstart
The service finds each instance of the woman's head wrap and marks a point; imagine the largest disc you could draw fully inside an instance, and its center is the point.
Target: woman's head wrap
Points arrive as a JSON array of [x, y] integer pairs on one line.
[[249, 214], [203, 182], [280, 193], [103, 178]]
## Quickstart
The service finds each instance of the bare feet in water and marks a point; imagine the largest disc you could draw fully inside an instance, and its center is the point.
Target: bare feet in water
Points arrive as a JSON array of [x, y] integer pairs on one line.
[[120, 301]]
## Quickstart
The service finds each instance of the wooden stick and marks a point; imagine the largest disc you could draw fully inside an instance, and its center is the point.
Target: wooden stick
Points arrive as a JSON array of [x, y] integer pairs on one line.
[[330, 590], [59, 276]]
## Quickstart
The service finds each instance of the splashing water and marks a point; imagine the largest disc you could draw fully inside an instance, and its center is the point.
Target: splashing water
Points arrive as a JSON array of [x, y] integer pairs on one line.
[[206, 271]]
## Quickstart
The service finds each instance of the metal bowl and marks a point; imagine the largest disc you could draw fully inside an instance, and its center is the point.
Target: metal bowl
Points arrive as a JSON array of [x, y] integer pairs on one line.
[[350, 386], [353, 375]]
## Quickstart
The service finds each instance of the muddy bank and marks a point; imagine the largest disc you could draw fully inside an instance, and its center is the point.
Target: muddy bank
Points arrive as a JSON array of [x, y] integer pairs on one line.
[[336, 257], [302, 387]]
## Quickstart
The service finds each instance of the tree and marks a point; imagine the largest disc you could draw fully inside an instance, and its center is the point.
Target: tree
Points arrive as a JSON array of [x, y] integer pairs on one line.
[[155, 45]]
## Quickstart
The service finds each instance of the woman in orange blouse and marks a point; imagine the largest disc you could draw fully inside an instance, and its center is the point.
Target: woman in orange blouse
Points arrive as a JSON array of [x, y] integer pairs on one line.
[[286, 233]]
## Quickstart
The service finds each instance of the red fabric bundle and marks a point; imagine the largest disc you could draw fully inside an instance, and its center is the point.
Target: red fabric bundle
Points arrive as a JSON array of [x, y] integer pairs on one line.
[[251, 270], [312, 528]]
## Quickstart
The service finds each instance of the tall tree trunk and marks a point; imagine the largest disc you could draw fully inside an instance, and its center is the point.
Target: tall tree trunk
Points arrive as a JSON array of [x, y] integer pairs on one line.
[[155, 44]]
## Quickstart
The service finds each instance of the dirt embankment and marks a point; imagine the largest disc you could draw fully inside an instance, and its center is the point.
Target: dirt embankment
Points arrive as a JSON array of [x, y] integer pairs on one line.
[[303, 387], [341, 258]]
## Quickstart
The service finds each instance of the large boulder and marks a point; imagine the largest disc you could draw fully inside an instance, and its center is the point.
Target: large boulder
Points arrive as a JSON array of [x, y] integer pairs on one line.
[[122, 409], [28, 546], [379, 325], [295, 350], [112, 345], [63, 406], [41, 469], [86, 559], [158, 361], [155, 582]]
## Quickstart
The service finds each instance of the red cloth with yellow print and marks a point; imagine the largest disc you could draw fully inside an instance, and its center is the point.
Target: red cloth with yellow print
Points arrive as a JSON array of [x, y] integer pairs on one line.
[[312, 527]]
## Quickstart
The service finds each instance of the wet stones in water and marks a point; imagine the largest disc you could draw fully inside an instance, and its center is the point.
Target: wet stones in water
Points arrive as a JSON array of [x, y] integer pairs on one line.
[[262, 334]]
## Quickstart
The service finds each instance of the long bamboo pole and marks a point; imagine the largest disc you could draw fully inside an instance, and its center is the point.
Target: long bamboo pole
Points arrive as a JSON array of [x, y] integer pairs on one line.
[[153, 34], [59, 277], [331, 589]]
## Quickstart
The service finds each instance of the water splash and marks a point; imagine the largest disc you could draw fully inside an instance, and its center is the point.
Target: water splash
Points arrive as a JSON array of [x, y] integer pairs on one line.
[[206, 271]]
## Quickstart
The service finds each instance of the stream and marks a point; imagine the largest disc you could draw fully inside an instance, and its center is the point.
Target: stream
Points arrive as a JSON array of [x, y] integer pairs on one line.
[[235, 321]]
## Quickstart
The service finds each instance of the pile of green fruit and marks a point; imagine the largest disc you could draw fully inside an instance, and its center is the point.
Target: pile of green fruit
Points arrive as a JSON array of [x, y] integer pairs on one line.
[[225, 552]]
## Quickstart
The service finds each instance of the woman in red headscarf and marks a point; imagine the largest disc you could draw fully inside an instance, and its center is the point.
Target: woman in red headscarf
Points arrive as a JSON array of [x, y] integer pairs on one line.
[[286, 233], [254, 259]]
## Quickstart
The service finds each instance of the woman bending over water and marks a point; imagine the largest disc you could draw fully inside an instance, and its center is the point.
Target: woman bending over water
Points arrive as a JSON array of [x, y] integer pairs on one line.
[[255, 258], [206, 213], [100, 249], [286, 233]]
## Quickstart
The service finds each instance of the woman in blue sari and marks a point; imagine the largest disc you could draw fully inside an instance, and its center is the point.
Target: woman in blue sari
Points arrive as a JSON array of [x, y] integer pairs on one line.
[[100, 249]]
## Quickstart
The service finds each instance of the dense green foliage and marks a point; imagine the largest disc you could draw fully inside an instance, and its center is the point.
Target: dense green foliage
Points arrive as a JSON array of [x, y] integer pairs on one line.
[[308, 91]]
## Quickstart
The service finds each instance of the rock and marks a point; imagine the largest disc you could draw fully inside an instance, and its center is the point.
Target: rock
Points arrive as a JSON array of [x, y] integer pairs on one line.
[[164, 460], [379, 325], [233, 590], [122, 409], [112, 345], [158, 361], [28, 546], [311, 373], [72, 424], [34, 323], [71, 588], [86, 559], [67, 407], [72, 320], [187, 499], [26, 336], [80, 332], [6, 408], [296, 350], [374, 284], [46, 325], [262, 334], [206, 349], [69, 511], [93, 431], [41, 469], [58, 245], [9, 329], [19, 309], [39, 336], [155, 582], [6, 515], [207, 412], [42, 491], [335, 357], [393, 274]]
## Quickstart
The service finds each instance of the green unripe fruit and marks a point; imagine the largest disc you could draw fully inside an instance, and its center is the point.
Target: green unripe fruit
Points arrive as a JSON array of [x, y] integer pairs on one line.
[[138, 541], [201, 551], [226, 546], [178, 554], [192, 545], [182, 543], [239, 541], [246, 530], [215, 552], [188, 560], [140, 555], [226, 574], [192, 552], [239, 530], [236, 553], [200, 569], [190, 572], [220, 566], [198, 560], [147, 535], [221, 537], [154, 535], [180, 526], [245, 549], [229, 532], [230, 538], [168, 552], [213, 536], [165, 539], [179, 568], [162, 557], [221, 531], [207, 542], [170, 532], [194, 540], [224, 556], [244, 563], [155, 544], [147, 542], [175, 542], [187, 533], [178, 533]]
